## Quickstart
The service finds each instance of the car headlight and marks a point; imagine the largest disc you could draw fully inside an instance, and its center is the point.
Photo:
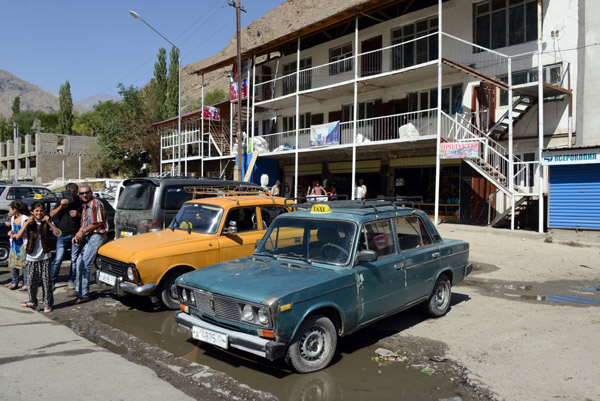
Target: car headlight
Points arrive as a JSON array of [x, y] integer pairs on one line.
[[263, 316], [248, 313], [192, 298], [132, 273], [184, 296]]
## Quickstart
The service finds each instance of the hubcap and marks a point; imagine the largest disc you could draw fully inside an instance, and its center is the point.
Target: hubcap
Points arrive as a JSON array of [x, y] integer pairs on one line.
[[312, 344], [441, 295]]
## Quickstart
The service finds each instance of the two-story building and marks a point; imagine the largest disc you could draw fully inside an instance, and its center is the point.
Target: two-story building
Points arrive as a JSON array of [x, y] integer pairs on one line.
[[448, 103]]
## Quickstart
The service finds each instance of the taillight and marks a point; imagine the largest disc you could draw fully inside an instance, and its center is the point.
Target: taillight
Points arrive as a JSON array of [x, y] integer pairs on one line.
[[146, 226]]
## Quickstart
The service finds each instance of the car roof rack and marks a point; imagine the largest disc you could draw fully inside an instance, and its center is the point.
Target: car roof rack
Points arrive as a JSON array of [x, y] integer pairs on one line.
[[203, 191], [374, 204]]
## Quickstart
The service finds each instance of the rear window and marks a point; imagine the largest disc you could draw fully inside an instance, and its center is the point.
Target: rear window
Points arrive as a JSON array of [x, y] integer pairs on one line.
[[137, 196]]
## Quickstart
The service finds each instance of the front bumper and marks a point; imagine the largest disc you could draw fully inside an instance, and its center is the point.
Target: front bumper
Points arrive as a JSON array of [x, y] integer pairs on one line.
[[121, 287], [262, 347]]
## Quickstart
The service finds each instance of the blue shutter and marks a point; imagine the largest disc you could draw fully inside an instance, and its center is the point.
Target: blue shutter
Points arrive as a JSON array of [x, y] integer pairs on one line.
[[574, 196]]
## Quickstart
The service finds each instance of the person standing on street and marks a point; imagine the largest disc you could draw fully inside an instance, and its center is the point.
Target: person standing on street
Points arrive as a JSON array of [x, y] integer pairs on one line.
[[18, 213], [90, 237], [39, 245], [361, 183], [68, 214]]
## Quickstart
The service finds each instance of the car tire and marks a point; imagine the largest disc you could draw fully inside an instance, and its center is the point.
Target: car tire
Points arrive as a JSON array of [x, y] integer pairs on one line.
[[439, 301], [314, 345], [4, 252], [168, 295]]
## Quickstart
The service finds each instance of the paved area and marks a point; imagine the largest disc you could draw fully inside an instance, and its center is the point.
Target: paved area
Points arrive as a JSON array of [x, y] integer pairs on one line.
[[41, 359]]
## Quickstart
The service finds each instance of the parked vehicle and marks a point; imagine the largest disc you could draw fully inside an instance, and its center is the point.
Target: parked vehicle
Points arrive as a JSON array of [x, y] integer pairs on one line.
[[204, 231], [4, 243], [149, 204], [322, 273], [11, 192]]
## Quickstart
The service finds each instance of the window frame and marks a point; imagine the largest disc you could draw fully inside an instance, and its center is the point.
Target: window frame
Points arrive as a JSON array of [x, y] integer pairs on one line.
[[491, 17], [342, 62]]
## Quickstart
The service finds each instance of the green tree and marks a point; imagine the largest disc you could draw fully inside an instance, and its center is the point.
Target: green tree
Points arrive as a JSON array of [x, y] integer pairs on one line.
[[173, 84], [213, 97], [65, 113], [16, 106], [5, 129], [160, 82]]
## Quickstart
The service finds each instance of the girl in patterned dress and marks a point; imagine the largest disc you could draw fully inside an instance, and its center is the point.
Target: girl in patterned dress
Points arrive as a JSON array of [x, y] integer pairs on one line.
[[39, 230], [18, 213]]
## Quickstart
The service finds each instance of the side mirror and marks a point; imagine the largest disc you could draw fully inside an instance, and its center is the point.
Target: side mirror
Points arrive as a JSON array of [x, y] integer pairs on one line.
[[366, 256], [232, 229]]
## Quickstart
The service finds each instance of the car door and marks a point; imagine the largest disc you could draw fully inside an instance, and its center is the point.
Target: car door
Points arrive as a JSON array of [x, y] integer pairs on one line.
[[421, 256], [242, 243], [381, 284]]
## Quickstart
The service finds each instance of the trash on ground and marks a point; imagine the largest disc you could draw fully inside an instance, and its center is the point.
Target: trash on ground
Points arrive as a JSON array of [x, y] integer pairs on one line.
[[384, 355], [438, 359], [429, 371]]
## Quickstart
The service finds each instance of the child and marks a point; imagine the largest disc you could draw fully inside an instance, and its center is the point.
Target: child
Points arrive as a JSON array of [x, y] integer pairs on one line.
[[18, 213], [37, 263]]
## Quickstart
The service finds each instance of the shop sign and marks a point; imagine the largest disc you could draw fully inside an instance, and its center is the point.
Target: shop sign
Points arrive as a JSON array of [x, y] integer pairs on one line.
[[459, 150], [325, 134], [212, 113], [572, 156]]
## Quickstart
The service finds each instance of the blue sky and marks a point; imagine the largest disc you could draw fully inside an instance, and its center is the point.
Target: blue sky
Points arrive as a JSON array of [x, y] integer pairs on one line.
[[97, 44]]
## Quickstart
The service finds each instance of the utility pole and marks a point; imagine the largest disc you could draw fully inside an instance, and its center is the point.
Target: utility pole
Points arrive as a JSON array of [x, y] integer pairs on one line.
[[15, 136], [239, 8]]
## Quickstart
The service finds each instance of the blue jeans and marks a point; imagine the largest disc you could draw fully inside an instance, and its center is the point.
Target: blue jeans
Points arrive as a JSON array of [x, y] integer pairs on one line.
[[15, 276], [88, 249], [62, 243]]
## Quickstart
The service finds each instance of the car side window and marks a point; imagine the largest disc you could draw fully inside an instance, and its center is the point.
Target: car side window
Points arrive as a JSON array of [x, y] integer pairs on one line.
[[175, 196], [245, 219], [377, 236], [411, 233], [268, 214], [10, 195]]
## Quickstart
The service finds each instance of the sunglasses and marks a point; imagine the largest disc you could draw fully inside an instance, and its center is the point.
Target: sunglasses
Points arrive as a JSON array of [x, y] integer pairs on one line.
[[85, 193]]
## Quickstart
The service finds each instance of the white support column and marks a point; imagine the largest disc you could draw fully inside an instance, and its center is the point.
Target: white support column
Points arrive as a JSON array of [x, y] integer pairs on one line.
[[438, 138], [201, 144], [355, 107], [511, 159], [297, 118], [253, 94], [79, 176], [540, 122], [248, 128]]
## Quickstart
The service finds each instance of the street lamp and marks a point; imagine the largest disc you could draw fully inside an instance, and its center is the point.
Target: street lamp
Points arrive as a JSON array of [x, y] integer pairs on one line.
[[136, 16]]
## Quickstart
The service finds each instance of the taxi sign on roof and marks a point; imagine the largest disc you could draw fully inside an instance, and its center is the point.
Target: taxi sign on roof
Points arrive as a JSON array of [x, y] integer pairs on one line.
[[320, 209]]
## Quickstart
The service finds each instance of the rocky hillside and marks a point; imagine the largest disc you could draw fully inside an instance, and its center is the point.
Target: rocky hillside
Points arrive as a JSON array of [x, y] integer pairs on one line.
[[282, 20], [32, 97], [89, 103]]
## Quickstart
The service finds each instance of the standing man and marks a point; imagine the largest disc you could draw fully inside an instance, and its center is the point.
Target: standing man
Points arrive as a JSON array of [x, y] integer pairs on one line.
[[90, 237], [361, 183], [68, 214]]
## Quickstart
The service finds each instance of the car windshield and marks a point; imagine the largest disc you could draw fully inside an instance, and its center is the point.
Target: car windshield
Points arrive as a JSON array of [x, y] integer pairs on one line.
[[137, 196], [198, 218], [325, 241]]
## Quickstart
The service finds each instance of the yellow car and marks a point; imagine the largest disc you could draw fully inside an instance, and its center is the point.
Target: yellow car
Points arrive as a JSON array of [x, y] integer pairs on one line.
[[204, 232]]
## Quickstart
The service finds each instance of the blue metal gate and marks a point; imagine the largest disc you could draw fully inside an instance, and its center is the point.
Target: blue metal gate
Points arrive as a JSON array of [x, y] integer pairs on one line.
[[574, 196]]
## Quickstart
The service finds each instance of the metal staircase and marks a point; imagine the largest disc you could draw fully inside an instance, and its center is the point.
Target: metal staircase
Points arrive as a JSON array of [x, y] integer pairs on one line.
[[520, 107]]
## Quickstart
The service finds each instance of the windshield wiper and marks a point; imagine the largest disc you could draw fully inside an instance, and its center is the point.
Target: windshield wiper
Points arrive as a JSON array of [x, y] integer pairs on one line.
[[292, 255], [173, 224]]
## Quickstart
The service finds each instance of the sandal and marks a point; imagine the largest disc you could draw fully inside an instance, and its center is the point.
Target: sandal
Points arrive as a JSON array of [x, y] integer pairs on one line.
[[23, 288], [29, 305], [47, 310], [12, 286]]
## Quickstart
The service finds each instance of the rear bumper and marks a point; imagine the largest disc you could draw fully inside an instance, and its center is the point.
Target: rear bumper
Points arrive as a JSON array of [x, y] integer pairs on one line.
[[262, 347], [121, 287], [468, 269]]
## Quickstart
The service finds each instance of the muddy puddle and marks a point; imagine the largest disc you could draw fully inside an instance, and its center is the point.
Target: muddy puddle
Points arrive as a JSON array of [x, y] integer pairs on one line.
[[355, 374], [573, 293]]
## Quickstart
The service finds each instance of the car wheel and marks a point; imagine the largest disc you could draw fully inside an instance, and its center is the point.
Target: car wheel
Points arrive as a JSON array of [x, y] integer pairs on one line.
[[4, 251], [168, 293], [314, 346], [439, 300]]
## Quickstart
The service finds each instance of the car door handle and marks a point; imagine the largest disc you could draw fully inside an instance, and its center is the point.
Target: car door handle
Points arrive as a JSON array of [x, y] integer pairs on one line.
[[399, 266], [435, 255]]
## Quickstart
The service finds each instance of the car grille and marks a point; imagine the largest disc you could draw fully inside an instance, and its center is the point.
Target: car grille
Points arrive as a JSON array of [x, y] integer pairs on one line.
[[112, 266], [217, 305]]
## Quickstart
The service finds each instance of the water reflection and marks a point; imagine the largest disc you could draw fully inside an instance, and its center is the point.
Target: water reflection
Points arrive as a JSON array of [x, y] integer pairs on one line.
[[353, 375]]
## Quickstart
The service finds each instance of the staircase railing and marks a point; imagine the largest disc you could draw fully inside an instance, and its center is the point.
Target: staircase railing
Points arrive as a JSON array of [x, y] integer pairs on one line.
[[520, 100]]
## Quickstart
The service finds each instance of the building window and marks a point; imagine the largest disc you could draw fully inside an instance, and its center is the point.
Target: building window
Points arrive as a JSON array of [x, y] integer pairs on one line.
[[452, 97], [289, 122], [552, 75], [289, 80], [342, 60], [501, 23], [414, 52], [365, 110]]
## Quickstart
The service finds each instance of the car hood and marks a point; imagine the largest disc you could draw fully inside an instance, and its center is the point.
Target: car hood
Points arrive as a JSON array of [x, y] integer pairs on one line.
[[256, 278], [126, 249]]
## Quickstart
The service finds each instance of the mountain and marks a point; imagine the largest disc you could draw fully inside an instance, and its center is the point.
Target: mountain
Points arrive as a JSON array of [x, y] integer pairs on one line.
[[90, 102], [32, 97]]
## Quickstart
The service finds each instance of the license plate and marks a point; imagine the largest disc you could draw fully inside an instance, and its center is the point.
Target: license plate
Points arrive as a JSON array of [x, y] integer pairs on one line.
[[126, 233], [107, 278], [211, 337]]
